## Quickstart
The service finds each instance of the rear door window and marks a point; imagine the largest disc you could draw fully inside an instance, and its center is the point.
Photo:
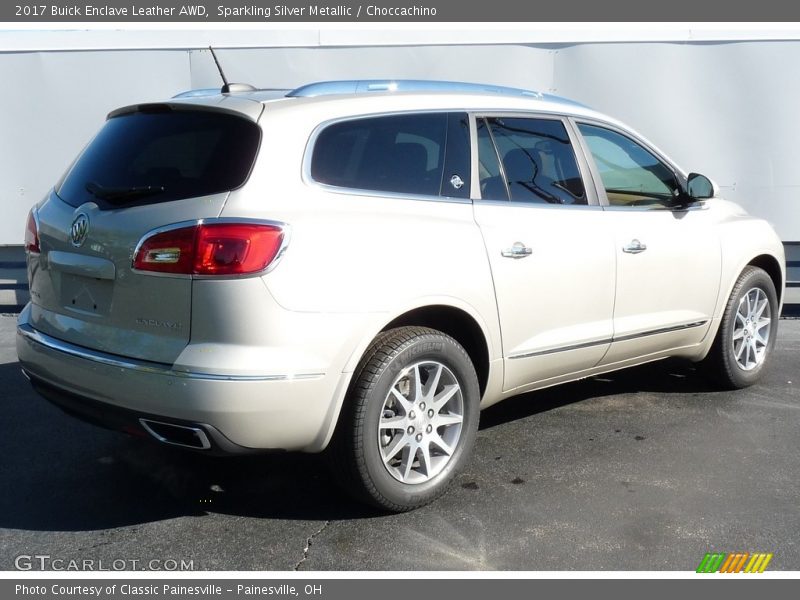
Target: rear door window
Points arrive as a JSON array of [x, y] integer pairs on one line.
[[403, 154], [528, 160], [492, 183], [160, 155]]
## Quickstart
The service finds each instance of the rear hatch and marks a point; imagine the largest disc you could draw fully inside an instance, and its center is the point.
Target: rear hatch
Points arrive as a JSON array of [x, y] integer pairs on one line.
[[149, 167]]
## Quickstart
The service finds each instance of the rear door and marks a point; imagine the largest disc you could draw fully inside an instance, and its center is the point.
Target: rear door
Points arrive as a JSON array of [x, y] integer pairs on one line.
[[552, 260], [149, 167]]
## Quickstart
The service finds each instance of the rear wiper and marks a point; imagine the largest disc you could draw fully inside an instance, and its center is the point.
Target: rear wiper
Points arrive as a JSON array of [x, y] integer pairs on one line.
[[120, 194]]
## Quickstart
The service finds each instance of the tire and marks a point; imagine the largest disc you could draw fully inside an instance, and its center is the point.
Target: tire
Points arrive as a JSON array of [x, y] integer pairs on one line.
[[747, 332], [399, 445]]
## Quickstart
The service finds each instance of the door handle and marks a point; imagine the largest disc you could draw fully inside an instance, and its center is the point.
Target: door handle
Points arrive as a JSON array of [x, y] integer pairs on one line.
[[634, 247], [518, 250]]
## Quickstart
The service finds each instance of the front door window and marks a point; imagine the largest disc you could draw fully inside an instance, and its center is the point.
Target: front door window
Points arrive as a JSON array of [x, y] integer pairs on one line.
[[632, 176]]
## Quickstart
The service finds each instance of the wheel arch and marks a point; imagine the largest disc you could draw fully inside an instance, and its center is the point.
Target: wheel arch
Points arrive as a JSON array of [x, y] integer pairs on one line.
[[773, 268], [770, 264], [456, 321], [459, 325], [720, 360]]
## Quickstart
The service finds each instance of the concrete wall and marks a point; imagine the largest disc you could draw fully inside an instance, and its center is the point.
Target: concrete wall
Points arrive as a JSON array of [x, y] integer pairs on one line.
[[722, 104]]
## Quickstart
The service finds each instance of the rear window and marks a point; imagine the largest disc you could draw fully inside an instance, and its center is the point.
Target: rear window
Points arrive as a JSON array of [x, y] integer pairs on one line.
[[151, 157], [398, 153]]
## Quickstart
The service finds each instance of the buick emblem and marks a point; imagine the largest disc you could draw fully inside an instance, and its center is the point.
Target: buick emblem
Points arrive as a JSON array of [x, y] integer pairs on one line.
[[79, 230]]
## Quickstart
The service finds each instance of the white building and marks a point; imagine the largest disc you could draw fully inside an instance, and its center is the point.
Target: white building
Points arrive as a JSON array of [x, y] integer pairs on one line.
[[720, 101]]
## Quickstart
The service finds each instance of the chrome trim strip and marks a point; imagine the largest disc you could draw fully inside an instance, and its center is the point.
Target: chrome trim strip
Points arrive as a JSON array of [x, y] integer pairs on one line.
[[563, 349], [623, 338], [542, 205], [385, 194], [201, 435], [633, 336], [142, 366]]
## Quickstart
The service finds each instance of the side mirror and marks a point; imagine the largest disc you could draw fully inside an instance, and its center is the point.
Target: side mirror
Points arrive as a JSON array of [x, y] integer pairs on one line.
[[700, 187]]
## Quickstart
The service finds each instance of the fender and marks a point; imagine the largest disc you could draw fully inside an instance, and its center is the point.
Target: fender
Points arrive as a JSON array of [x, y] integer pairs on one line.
[[489, 327]]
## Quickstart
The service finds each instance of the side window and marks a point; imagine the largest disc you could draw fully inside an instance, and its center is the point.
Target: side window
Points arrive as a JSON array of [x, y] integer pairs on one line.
[[398, 153], [632, 176], [528, 160], [493, 186]]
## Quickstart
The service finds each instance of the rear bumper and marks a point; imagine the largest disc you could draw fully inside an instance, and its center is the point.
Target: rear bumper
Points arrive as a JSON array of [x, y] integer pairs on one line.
[[207, 438], [238, 414]]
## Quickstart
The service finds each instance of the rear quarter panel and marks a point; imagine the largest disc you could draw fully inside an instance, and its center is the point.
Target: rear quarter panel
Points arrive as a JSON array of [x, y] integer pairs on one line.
[[360, 254]]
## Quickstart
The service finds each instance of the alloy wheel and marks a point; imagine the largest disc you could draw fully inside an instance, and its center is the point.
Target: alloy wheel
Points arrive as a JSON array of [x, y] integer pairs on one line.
[[421, 422]]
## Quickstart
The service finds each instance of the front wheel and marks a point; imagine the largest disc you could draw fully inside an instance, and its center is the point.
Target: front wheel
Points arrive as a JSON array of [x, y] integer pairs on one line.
[[410, 421], [747, 331]]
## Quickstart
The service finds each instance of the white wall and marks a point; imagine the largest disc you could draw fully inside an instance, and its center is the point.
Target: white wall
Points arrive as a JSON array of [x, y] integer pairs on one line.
[[54, 102], [727, 109]]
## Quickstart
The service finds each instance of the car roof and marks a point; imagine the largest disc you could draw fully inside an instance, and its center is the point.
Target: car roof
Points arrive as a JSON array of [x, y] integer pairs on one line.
[[375, 96]]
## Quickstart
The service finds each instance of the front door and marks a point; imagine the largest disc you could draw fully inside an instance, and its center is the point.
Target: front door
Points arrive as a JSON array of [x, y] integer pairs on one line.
[[668, 256]]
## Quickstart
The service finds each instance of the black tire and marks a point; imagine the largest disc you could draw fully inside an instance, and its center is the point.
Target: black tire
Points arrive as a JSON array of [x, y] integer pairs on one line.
[[722, 364], [357, 450]]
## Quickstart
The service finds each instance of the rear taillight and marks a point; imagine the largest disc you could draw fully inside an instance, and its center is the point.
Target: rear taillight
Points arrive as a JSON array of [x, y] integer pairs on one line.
[[211, 249], [32, 234]]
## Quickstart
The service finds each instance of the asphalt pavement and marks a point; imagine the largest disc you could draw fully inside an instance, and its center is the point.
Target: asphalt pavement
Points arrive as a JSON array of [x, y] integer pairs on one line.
[[645, 469]]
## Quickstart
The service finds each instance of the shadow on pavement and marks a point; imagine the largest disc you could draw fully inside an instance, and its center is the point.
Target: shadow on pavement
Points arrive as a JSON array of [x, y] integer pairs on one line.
[[60, 474], [666, 376]]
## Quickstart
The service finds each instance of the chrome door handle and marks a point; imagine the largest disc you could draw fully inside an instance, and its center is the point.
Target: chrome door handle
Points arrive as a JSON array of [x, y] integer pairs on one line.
[[518, 250], [634, 247]]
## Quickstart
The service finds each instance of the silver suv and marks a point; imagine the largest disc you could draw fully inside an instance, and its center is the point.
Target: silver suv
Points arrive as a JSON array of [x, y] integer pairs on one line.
[[362, 266]]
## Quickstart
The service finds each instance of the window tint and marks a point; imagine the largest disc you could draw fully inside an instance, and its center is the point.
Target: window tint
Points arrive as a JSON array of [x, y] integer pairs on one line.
[[398, 153], [493, 186], [148, 157], [632, 175], [538, 162]]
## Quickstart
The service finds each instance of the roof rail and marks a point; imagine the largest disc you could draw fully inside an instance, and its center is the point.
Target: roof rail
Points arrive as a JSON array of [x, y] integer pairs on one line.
[[326, 88], [198, 93], [365, 86]]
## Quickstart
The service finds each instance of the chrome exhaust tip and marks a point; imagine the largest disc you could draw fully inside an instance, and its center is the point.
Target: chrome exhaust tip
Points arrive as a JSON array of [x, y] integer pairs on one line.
[[177, 435]]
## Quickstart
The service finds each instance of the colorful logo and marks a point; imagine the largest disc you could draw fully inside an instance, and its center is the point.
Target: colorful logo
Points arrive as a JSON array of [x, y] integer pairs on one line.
[[735, 562]]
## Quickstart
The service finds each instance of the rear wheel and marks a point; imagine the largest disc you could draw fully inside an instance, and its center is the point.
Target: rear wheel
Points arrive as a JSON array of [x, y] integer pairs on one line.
[[747, 331], [410, 420]]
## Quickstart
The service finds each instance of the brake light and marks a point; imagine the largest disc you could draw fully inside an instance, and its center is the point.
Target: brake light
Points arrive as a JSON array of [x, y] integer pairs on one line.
[[211, 249], [32, 234]]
